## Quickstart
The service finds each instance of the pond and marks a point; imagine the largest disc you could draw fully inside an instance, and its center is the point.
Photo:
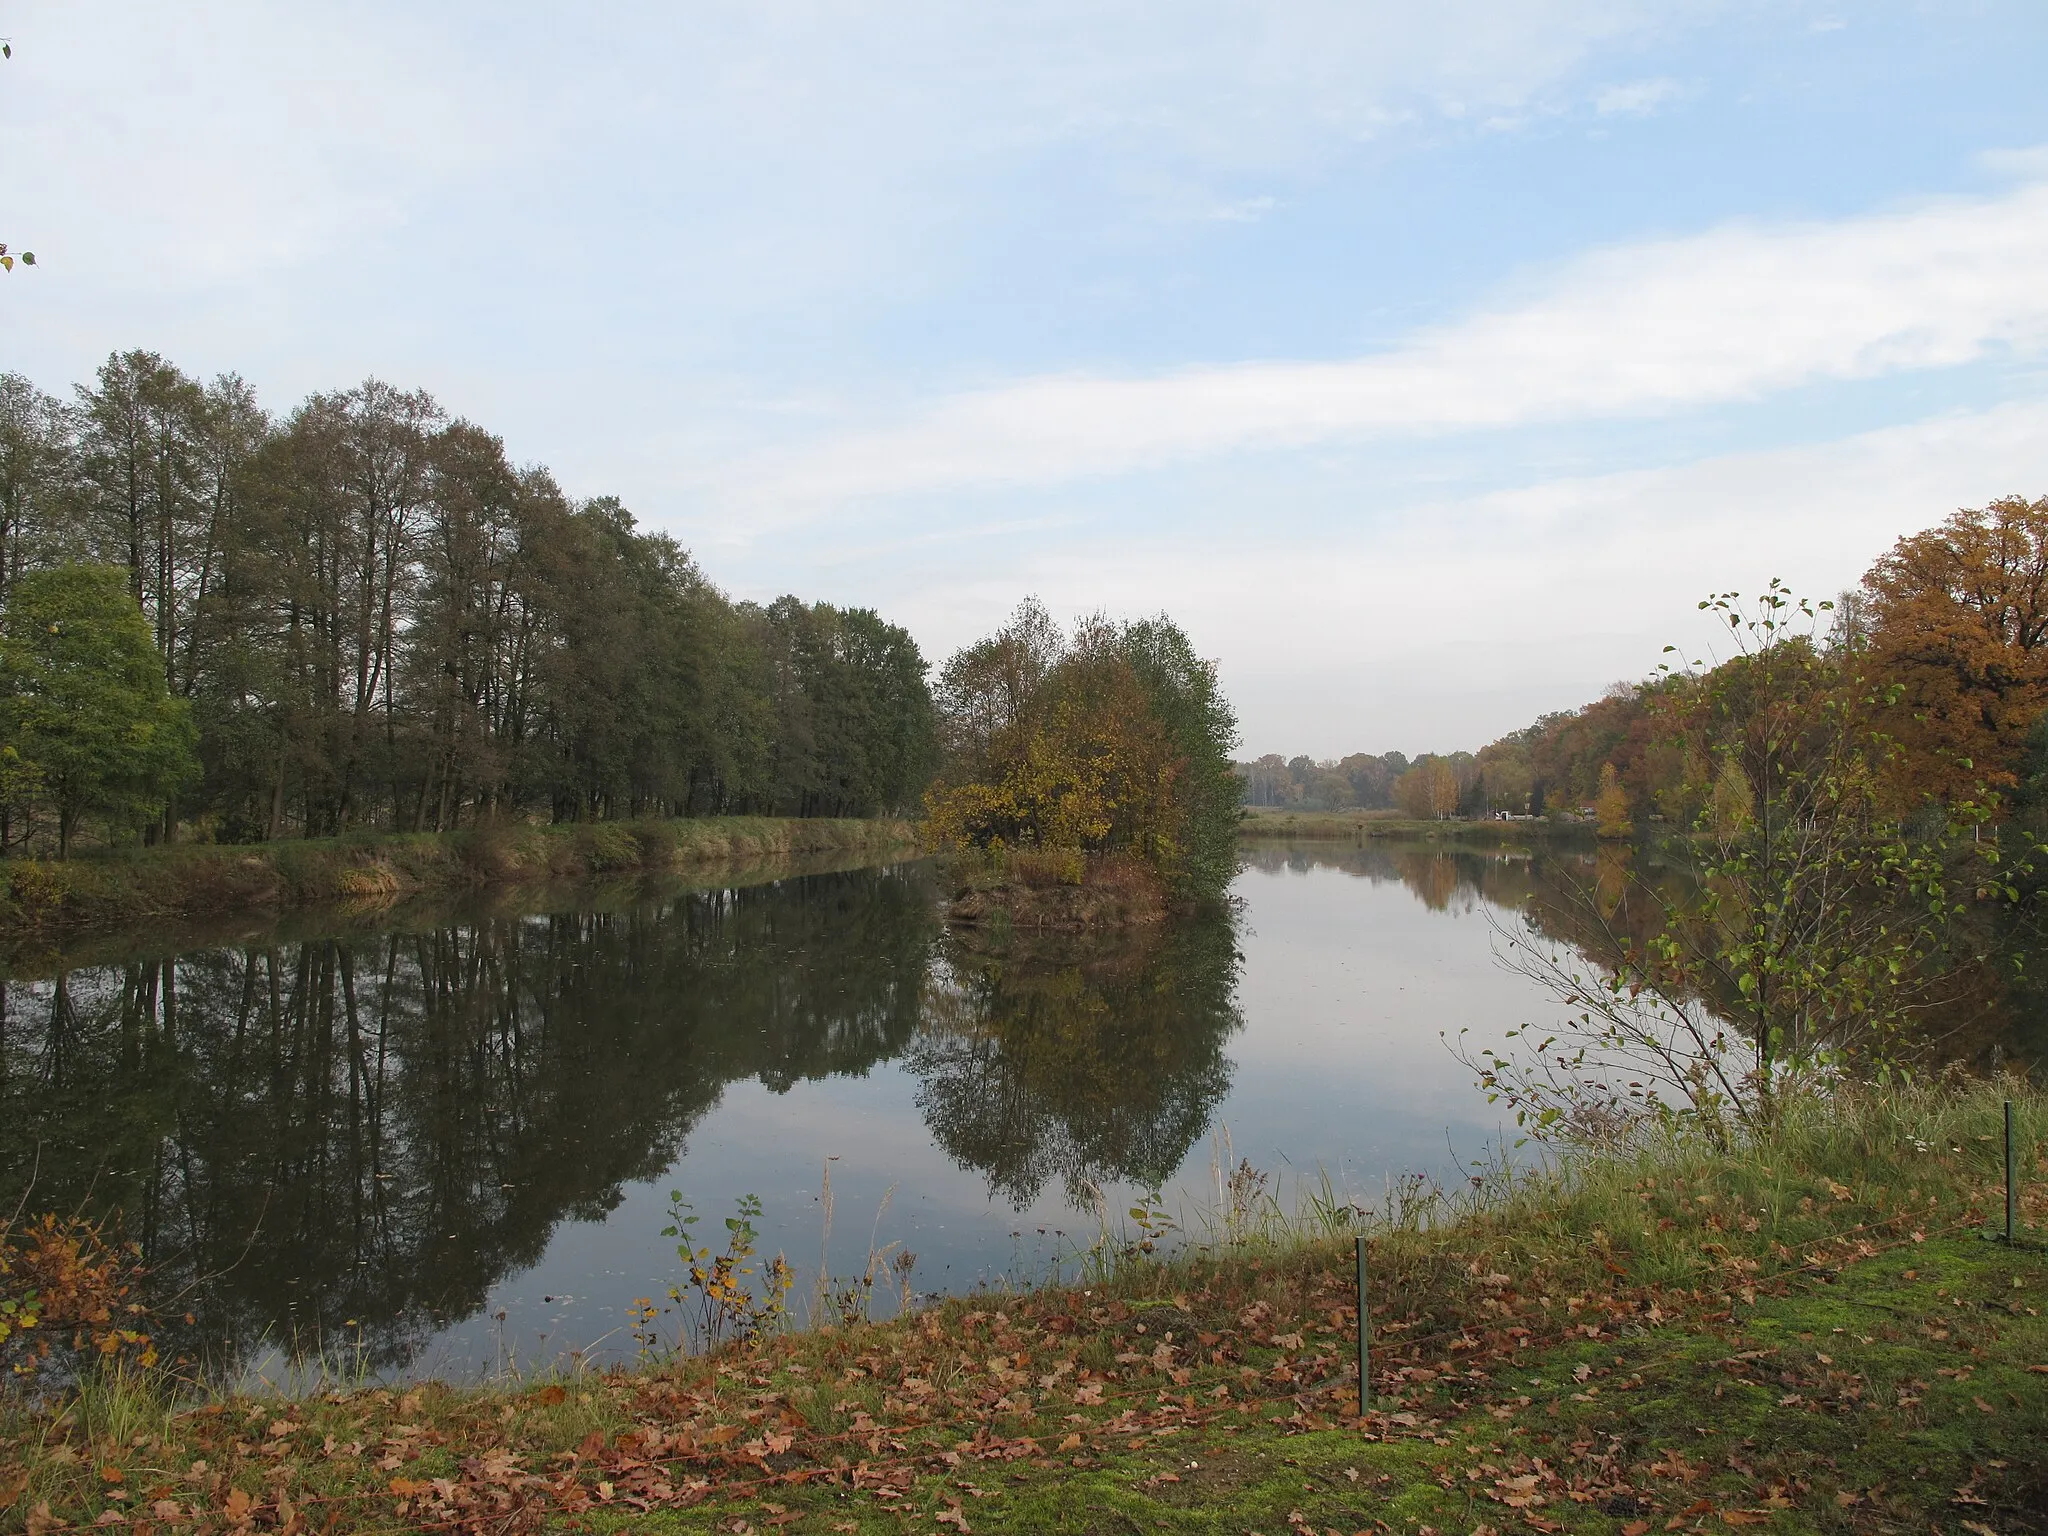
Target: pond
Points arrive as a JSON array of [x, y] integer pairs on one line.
[[443, 1141]]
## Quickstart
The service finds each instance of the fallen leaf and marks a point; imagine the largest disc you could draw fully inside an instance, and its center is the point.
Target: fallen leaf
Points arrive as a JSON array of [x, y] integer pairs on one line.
[[1982, 1406], [1072, 1442], [1745, 1516], [1636, 1528], [550, 1396]]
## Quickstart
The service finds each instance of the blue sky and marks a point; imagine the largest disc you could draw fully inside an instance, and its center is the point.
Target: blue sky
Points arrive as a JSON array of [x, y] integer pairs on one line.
[[1427, 362]]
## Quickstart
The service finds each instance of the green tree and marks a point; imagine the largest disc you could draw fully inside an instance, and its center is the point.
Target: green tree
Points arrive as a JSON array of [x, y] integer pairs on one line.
[[83, 699]]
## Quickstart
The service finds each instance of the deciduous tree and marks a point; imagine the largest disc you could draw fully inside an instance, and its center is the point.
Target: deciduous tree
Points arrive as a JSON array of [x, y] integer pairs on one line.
[[83, 700], [1958, 625]]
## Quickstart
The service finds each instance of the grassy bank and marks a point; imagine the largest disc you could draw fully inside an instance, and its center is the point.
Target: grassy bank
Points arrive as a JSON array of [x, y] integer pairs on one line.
[[1265, 821], [182, 881], [1810, 1334]]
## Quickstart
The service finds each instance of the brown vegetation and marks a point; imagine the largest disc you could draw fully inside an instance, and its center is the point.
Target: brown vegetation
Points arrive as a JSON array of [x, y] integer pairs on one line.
[[1944, 646], [201, 880], [1061, 893], [1086, 780]]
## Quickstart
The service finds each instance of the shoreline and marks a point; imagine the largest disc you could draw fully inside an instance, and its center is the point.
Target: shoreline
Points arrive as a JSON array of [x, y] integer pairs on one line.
[[1811, 1334], [48, 902], [1263, 824]]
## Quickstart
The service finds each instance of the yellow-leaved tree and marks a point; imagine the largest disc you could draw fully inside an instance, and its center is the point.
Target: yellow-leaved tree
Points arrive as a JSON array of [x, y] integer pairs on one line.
[[1610, 805], [1113, 742]]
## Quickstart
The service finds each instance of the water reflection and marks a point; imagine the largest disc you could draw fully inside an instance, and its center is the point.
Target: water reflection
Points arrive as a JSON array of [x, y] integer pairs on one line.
[[1600, 899], [323, 1142], [356, 1136], [1089, 1063]]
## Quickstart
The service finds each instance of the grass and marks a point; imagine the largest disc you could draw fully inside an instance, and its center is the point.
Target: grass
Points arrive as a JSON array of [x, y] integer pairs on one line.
[[1807, 1334], [1263, 821], [120, 887]]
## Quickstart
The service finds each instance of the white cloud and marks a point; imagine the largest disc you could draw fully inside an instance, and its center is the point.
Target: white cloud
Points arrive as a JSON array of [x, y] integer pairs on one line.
[[1442, 624], [1733, 314], [1637, 98], [2029, 164], [1247, 210]]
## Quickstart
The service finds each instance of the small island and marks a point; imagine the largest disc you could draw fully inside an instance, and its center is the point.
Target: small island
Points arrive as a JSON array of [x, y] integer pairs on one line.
[[1087, 780]]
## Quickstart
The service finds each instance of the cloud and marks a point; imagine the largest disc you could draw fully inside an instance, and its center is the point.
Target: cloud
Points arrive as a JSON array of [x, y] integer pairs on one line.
[[2029, 164], [1442, 623], [1638, 98], [1248, 210], [1732, 314]]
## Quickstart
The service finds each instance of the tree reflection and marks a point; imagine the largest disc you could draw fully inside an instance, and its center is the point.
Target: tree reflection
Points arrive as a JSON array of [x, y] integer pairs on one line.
[[333, 1142], [1599, 900], [1089, 1061]]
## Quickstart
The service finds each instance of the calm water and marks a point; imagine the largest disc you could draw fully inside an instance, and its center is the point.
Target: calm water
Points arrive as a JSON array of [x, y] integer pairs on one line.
[[447, 1138]]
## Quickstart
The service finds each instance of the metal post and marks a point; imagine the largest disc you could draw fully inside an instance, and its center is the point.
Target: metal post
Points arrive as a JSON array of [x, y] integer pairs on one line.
[[1364, 1338], [2011, 1189]]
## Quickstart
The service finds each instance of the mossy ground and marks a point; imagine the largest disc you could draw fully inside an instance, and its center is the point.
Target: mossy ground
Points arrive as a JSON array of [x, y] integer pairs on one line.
[[1903, 1392], [1808, 1334]]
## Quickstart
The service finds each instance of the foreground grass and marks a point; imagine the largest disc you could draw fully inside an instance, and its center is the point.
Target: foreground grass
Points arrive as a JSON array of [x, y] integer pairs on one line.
[[190, 880], [1810, 1335]]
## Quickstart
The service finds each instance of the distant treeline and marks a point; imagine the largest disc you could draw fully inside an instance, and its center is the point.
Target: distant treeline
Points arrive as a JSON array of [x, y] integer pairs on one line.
[[1940, 655], [374, 618]]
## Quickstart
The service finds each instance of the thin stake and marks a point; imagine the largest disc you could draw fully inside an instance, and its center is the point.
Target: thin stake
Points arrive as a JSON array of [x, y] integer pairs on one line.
[[1364, 1338], [2011, 1190]]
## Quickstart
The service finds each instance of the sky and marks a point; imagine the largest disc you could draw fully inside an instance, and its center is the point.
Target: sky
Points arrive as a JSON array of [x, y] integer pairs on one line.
[[1427, 363]]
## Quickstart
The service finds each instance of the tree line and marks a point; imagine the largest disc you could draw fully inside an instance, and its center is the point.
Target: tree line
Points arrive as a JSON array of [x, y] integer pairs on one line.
[[364, 614], [1944, 646]]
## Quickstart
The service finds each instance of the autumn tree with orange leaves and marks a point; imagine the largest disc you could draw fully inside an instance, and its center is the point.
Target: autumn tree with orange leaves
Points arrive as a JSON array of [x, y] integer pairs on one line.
[[1958, 629]]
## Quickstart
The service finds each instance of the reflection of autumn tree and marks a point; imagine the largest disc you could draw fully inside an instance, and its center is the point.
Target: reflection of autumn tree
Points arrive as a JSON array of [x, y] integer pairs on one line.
[[1089, 1062], [1431, 875], [1613, 873], [1609, 904], [1602, 901], [380, 1129]]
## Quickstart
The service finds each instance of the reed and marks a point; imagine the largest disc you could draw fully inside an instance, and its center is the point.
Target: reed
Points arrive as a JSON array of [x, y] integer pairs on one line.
[[121, 887]]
